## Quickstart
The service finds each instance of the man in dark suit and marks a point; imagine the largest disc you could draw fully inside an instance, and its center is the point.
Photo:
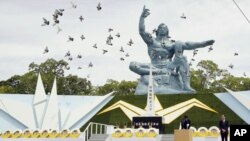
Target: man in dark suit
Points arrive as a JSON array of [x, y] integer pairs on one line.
[[223, 125], [185, 123]]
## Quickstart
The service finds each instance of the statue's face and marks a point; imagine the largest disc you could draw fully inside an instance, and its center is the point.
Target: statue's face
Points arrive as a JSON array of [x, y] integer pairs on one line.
[[162, 30]]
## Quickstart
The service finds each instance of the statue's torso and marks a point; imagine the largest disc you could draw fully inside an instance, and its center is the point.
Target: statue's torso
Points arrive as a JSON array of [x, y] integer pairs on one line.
[[160, 52]]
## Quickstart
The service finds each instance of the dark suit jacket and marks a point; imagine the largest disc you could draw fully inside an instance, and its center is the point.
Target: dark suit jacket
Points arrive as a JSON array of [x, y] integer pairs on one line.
[[224, 125], [184, 124]]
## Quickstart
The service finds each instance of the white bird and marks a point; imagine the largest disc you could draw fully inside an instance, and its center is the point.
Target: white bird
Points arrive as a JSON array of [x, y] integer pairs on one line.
[[195, 52], [70, 39], [73, 5], [183, 16], [108, 42], [231, 66], [121, 50], [90, 64], [244, 74], [118, 35], [46, 50], [81, 18], [95, 46], [104, 51], [79, 56], [67, 54], [82, 37], [70, 58], [99, 7], [210, 48], [154, 31], [130, 43], [58, 30], [45, 22], [110, 29], [110, 37]]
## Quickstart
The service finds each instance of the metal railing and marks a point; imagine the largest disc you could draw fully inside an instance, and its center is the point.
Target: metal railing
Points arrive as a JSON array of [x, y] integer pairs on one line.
[[94, 128]]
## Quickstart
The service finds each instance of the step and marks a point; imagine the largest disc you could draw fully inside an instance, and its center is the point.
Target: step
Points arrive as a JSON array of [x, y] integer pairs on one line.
[[98, 137], [167, 137]]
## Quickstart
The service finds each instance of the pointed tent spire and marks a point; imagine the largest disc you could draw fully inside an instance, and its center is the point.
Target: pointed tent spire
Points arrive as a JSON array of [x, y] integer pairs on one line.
[[54, 88], [51, 117], [40, 94]]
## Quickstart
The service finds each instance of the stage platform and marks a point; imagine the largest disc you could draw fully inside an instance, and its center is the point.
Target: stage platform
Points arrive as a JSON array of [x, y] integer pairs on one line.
[[164, 137], [40, 139]]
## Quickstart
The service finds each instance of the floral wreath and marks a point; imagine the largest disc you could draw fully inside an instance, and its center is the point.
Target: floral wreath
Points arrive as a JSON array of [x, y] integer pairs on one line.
[[203, 132], [152, 132], [117, 133], [140, 132], [53, 134], [6, 135], [128, 133], [17, 134], [75, 133], [44, 134], [64, 135], [26, 134]]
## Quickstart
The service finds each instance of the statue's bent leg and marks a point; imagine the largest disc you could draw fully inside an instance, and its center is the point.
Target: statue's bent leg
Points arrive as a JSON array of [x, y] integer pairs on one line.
[[143, 68], [139, 68], [183, 69], [186, 82]]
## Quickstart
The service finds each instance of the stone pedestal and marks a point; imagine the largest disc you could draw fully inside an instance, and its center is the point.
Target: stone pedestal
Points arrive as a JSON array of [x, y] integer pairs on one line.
[[164, 84]]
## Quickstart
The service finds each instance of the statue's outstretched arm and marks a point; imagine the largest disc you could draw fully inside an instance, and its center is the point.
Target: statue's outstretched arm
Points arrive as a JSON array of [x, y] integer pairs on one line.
[[194, 45], [145, 36]]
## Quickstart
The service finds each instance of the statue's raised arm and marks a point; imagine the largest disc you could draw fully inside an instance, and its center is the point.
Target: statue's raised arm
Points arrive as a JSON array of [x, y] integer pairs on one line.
[[145, 36], [195, 45]]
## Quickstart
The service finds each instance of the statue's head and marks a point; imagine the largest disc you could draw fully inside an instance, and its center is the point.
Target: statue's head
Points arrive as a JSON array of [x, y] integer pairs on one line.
[[162, 30]]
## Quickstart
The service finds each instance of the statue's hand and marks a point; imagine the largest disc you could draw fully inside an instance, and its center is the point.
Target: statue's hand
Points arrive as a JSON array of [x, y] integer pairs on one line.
[[210, 42], [145, 12]]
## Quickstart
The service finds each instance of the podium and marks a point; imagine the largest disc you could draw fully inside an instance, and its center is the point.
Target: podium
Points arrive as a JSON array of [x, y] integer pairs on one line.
[[183, 135]]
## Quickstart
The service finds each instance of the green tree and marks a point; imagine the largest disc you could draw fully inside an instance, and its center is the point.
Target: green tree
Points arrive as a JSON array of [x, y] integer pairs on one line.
[[120, 88], [127, 87], [50, 66], [73, 85], [210, 78], [7, 89], [50, 69], [111, 85]]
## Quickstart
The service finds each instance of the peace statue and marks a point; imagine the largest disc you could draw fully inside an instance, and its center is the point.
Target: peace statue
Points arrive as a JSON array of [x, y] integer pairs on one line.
[[169, 66]]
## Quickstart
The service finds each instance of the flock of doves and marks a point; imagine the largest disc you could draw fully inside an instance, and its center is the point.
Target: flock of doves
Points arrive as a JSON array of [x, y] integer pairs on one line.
[[59, 12], [231, 66], [56, 21]]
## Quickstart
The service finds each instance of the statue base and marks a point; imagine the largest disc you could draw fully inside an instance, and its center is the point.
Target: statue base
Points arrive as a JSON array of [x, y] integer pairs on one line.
[[164, 84]]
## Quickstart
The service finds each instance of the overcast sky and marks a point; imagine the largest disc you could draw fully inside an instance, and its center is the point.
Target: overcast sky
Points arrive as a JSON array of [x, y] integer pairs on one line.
[[23, 39]]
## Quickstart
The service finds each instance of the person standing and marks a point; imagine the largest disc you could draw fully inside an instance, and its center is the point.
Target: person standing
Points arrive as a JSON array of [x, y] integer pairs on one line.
[[223, 125], [185, 123]]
